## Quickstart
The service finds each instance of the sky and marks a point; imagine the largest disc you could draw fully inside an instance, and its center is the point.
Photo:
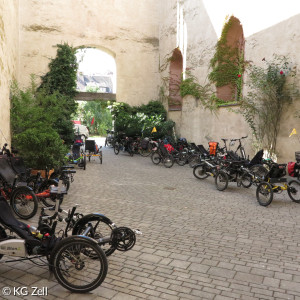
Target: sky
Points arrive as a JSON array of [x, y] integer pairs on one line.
[[254, 15], [94, 61]]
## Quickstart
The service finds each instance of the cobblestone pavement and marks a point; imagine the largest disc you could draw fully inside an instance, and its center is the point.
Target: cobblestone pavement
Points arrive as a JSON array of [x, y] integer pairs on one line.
[[197, 242]]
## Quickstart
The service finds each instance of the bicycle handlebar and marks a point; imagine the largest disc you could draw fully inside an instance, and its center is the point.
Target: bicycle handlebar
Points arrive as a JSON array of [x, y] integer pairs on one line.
[[244, 137]]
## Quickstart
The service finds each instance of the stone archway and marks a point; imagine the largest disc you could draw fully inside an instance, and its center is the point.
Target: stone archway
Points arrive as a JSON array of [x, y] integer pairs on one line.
[[176, 69]]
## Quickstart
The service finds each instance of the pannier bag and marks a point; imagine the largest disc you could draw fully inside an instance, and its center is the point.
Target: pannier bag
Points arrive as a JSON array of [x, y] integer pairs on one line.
[[293, 169], [213, 148], [277, 171], [169, 147]]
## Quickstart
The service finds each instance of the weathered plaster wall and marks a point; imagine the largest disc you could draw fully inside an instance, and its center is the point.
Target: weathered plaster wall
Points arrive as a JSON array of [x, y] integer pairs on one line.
[[127, 29], [9, 16], [199, 125], [196, 41], [281, 39]]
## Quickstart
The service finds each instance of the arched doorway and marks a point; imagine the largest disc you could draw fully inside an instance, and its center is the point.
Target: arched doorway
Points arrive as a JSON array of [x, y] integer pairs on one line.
[[96, 83], [176, 69]]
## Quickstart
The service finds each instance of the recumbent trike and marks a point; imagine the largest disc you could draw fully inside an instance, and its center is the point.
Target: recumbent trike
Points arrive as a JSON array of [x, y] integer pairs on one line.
[[78, 262]]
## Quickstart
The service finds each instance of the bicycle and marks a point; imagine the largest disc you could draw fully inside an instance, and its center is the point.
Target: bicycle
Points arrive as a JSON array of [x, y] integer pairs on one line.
[[276, 183], [243, 172], [161, 154], [70, 259], [124, 144], [92, 150], [97, 226], [110, 138], [239, 148], [22, 199], [77, 159]]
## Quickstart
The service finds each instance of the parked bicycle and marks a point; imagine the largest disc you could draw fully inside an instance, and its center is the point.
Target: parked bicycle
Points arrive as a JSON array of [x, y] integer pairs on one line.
[[70, 259], [123, 144]]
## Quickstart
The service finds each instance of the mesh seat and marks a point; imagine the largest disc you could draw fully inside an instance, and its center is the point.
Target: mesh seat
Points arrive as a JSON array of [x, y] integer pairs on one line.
[[90, 145], [6, 171]]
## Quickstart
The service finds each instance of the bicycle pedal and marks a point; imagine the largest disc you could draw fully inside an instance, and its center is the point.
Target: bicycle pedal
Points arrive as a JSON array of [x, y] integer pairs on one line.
[[137, 231]]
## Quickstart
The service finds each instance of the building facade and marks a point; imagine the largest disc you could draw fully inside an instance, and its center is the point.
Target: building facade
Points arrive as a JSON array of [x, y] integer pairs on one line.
[[153, 42]]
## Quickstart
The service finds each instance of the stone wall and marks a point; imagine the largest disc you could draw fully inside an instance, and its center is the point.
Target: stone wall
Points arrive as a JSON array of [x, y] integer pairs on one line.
[[9, 50], [281, 39], [141, 35], [199, 125], [126, 29]]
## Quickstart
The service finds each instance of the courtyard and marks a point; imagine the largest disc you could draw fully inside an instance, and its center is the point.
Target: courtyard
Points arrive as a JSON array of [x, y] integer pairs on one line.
[[197, 242]]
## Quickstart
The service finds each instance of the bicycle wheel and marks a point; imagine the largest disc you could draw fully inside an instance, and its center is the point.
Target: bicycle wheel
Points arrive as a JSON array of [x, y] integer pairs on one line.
[[117, 148], [200, 171], [32, 183], [130, 150], [246, 180], [181, 159], [221, 180], [145, 152], [102, 228], [168, 161], [294, 191], [156, 158], [75, 266], [84, 162], [49, 201], [24, 203], [193, 160], [264, 193]]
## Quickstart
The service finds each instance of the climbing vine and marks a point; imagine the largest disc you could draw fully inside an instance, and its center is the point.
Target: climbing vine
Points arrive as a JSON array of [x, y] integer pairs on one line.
[[271, 89], [203, 93], [228, 62]]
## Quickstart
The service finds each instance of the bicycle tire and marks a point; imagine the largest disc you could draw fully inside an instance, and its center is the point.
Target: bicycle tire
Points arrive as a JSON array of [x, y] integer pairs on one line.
[[221, 180], [156, 158], [103, 227], [168, 161], [181, 159], [24, 203], [200, 171], [264, 193], [70, 259], [246, 180], [116, 148], [49, 202], [294, 191], [193, 160], [84, 162], [145, 152]]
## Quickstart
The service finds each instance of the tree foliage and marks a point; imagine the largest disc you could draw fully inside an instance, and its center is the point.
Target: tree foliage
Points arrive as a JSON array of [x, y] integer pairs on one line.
[[62, 75], [34, 128], [140, 120], [97, 110]]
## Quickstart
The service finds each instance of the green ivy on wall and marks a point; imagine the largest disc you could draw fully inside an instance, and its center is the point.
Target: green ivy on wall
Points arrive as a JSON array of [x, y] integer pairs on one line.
[[228, 62], [203, 93]]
